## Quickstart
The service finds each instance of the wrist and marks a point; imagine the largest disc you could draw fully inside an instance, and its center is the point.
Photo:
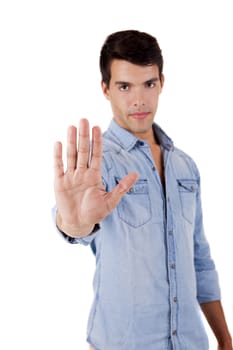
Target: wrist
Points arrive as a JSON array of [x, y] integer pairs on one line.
[[72, 230], [225, 342]]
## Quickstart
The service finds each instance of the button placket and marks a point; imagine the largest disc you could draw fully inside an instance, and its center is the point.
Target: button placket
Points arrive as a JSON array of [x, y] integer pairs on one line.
[[172, 272]]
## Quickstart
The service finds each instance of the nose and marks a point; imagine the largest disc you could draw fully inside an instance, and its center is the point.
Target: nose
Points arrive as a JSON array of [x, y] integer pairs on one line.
[[138, 99]]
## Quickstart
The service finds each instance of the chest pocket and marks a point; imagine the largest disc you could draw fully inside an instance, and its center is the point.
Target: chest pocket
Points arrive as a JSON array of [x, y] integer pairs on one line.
[[187, 192], [135, 206]]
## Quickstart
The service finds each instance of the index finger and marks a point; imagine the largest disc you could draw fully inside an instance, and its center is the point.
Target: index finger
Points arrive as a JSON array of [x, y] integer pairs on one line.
[[96, 154]]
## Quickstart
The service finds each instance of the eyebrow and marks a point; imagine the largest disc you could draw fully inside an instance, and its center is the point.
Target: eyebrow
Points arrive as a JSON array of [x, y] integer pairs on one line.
[[152, 80]]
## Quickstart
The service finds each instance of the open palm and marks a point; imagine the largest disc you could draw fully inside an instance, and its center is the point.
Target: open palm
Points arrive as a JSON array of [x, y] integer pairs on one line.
[[80, 196]]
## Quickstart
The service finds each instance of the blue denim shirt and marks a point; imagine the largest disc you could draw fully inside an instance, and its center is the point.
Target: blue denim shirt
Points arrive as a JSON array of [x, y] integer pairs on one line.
[[153, 262]]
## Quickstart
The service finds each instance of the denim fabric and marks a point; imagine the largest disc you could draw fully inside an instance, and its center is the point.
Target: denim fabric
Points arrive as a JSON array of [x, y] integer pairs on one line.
[[153, 262]]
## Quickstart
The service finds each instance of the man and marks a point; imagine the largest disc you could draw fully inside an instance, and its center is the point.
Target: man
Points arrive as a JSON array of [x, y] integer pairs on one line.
[[137, 203]]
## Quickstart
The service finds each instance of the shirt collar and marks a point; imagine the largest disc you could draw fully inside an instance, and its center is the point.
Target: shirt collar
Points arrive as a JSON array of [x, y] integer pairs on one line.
[[127, 140]]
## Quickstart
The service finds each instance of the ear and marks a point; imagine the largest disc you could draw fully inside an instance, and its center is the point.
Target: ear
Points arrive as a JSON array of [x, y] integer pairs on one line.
[[162, 81], [105, 89]]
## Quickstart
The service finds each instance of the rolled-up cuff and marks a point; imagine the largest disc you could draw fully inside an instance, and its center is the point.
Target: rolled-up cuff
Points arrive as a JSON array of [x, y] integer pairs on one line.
[[208, 288], [84, 240]]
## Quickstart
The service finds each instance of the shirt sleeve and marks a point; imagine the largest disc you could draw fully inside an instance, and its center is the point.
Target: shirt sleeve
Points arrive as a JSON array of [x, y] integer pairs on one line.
[[84, 240], [208, 288]]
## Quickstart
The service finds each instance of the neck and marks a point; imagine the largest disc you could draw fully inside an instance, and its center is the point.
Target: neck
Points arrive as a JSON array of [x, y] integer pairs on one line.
[[148, 136]]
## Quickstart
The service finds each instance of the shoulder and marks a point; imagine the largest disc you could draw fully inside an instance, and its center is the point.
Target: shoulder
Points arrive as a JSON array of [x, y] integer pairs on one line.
[[110, 146], [182, 159], [110, 151]]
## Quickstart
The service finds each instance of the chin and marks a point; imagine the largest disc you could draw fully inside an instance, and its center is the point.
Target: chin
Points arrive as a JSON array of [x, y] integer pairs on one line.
[[142, 128]]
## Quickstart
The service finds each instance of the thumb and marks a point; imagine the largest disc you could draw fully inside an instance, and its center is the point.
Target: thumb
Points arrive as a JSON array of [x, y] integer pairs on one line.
[[120, 190]]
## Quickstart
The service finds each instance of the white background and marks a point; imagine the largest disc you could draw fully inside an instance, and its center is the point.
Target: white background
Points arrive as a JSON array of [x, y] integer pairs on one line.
[[49, 78]]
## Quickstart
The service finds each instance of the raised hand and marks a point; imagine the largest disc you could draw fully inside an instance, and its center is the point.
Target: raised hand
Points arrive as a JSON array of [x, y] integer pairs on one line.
[[80, 196]]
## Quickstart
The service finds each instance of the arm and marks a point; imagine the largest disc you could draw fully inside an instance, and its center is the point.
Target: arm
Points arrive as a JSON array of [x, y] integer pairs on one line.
[[214, 314], [81, 199], [208, 289]]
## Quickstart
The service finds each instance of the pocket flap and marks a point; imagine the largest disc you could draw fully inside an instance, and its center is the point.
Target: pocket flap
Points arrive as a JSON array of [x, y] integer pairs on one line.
[[187, 185], [140, 187]]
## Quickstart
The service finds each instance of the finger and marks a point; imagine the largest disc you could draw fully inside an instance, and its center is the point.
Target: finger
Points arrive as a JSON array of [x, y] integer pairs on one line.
[[124, 185], [71, 148], [58, 162], [96, 155], [83, 144]]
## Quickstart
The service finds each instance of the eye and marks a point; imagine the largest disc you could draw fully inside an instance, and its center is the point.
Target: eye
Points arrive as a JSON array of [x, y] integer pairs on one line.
[[150, 84], [124, 87]]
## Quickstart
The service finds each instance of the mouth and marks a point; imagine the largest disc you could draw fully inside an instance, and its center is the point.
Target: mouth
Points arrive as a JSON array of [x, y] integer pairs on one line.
[[139, 115]]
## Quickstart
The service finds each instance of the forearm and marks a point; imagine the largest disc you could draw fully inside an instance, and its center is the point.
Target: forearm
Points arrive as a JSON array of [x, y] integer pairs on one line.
[[214, 314], [74, 232]]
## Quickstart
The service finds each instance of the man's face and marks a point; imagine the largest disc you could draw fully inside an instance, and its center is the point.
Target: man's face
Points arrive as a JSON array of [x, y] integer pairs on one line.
[[134, 93]]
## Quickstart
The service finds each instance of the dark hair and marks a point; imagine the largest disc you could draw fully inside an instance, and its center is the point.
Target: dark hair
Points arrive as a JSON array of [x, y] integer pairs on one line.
[[132, 46]]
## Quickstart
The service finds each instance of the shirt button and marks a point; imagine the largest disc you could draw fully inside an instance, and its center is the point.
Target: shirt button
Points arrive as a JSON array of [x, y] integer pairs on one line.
[[170, 232], [174, 332], [131, 190], [173, 266], [175, 299], [153, 168], [141, 143]]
